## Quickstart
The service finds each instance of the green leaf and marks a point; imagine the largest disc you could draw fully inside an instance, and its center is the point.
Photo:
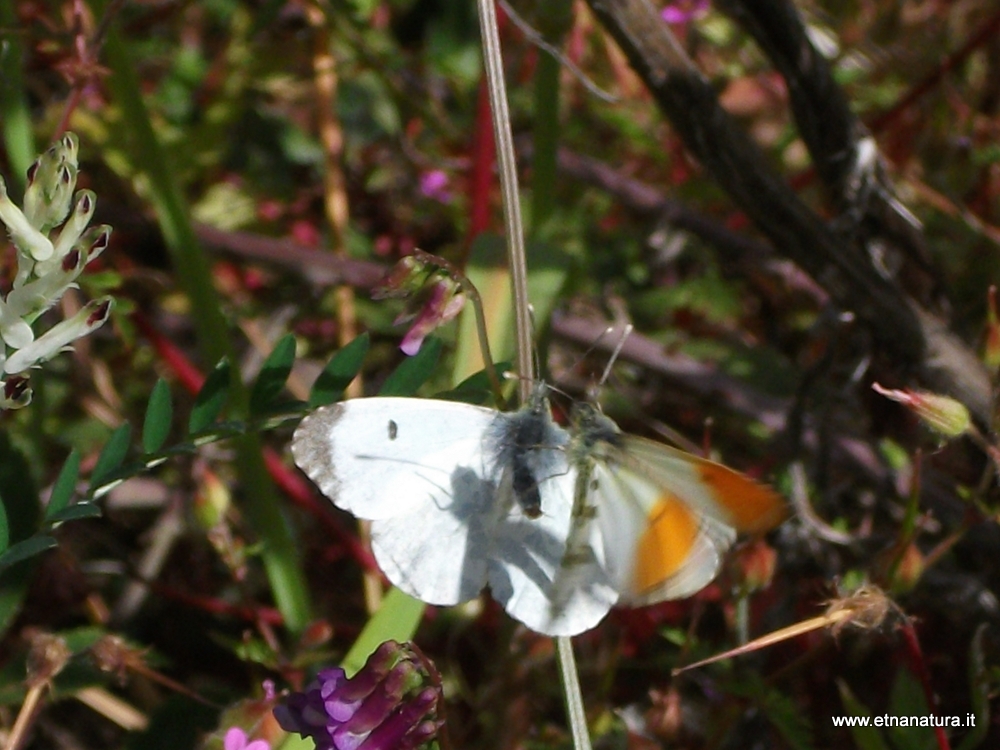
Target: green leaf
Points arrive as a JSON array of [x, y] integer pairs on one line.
[[414, 371], [865, 737], [211, 399], [476, 388], [82, 638], [111, 456], [979, 689], [17, 488], [62, 490], [4, 528], [28, 548], [257, 651], [273, 375], [787, 717], [159, 416], [76, 511], [339, 372], [22, 508], [296, 742], [906, 699]]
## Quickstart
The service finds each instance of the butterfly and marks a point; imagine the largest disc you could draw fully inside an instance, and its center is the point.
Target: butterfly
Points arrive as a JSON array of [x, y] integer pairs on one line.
[[561, 523]]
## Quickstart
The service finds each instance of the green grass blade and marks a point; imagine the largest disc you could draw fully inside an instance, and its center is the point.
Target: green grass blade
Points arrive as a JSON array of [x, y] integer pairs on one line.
[[15, 113], [865, 737], [396, 620]]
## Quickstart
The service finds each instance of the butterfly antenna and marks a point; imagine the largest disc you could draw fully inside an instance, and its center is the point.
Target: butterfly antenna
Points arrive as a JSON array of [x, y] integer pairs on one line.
[[626, 332]]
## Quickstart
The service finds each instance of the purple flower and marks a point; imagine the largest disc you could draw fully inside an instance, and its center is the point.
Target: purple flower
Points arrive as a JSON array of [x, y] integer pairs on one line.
[[434, 184], [682, 11], [383, 707], [444, 303], [434, 290], [236, 739]]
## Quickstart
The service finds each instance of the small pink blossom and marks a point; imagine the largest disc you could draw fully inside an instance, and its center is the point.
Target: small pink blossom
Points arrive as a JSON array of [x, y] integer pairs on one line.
[[683, 11], [236, 739], [434, 184], [433, 290], [942, 414], [445, 302]]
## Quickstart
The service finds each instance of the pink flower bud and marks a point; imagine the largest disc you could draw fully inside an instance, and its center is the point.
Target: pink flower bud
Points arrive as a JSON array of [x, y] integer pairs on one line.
[[942, 414]]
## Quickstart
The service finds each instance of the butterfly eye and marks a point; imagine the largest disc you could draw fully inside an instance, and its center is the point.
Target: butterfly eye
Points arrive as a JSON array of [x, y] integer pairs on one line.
[[393, 430]]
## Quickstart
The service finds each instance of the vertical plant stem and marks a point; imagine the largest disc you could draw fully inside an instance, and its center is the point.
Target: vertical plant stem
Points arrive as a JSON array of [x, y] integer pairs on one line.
[[507, 167], [519, 281], [279, 552], [555, 17], [335, 206], [571, 688], [335, 203], [14, 114]]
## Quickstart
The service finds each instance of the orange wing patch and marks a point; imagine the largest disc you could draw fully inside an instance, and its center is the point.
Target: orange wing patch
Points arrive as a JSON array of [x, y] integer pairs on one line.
[[666, 544], [752, 507]]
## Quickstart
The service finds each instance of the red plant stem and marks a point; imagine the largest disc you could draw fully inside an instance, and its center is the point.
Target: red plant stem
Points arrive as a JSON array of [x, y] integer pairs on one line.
[[483, 160], [484, 152], [303, 494], [915, 658], [189, 376], [215, 606]]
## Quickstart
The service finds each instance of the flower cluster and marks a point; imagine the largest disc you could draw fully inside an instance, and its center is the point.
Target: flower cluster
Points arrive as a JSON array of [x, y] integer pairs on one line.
[[383, 707], [46, 267]]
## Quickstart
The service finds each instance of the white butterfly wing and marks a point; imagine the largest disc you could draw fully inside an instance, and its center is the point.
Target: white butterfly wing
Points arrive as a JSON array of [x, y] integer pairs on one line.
[[381, 458], [416, 468], [434, 477], [712, 489], [656, 546], [528, 571], [439, 553]]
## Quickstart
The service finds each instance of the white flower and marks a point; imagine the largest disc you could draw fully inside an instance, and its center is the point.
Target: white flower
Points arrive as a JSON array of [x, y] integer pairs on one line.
[[46, 268], [28, 240], [48, 345]]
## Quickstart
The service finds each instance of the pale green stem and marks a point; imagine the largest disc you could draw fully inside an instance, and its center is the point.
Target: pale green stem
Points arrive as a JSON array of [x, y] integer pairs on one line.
[[15, 112], [507, 167]]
